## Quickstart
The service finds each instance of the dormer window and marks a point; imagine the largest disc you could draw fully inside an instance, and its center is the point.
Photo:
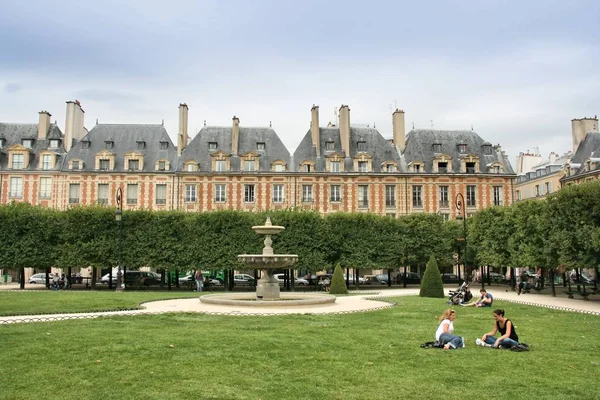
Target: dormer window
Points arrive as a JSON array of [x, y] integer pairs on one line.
[[462, 148], [329, 146], [134, 165], [470, 167], [164, 145], [437, 147], [17, 161], [361, 146], [141, 145], [75, 164], [443, 167], [417, 168], [496, 169], [109, 144], [161, 166], [487, 149], [335, 166], [307, 166], [389, 168], [2, 140], [54, 143], [260, 146], [212, 145], [85, 144], [28, 143], [103, 164], [363, 166], [249, 165]]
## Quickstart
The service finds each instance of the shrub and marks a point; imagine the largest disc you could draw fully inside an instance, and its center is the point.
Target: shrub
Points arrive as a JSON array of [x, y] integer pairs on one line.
[[338, 286], [431, 283]]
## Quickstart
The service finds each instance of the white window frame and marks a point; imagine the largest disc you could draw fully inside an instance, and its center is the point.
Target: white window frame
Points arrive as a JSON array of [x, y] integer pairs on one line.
[[220, 193], [363, 196], [363, 166], [16, 187], [278, 193], [497, 194], [190, 193], [417, 196], [46, 162], [390, 195], [160, 196], [102, 193], [471, 197], [74, 193], [18, 164], [220, 165], [335, 166], [335, 193], [307, 193], [249, 193], [249, 166], [444, 199], [132, 193], [45, 187]]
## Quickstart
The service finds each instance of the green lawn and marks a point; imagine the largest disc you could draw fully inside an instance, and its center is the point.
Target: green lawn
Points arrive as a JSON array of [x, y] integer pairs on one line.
[[373, 355]]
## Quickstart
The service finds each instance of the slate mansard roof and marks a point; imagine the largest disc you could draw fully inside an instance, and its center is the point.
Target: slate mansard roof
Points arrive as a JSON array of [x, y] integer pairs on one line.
[[15, 133], [376, 146], [589, 149], [125, 138], [198, 151], [419, 147]]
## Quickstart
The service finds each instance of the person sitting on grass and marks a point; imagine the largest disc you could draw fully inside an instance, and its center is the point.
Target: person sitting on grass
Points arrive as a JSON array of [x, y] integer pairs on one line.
[[445, 332], [506, 328], [486, 300]]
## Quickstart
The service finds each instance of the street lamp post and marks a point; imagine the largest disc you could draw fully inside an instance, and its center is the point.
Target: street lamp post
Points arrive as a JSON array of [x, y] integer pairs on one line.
[[462, 214], [118, 216]]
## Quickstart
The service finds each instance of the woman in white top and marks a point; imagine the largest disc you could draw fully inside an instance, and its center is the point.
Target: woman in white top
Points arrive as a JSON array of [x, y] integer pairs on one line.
[[444, 333]]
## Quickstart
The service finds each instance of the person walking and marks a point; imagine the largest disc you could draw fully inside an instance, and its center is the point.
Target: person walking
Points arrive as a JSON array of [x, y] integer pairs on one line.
[[445, 332], [199, 280]]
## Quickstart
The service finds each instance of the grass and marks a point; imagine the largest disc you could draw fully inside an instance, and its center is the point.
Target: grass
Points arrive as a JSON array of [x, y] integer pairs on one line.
[[351, 356], [63, 301]]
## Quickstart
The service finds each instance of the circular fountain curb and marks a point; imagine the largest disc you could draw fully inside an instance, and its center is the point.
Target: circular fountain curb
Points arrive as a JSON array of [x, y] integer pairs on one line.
[[286, 300]]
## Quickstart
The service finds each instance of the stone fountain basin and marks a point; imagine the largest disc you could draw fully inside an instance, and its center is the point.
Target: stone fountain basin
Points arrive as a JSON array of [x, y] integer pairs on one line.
[[286, 300], [267, 230], [265, 261]]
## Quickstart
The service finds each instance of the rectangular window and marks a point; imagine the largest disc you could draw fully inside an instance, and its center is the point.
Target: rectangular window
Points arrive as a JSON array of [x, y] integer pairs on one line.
[[162, 166], [471, 196], [335, 194], [191, 167], [390, 195], [363, 166], [141, 145], [306, 168], [497, 195], [45, 188], [220, 166], [16, 187], [278, 193], [74, 193], [134, 165], [17, 161], [362, 146], [74, 164], [442, 167], [28, 143], [335, 166], [212, 145], [363, 196], [518, 195], [470, 167], [278, 168], [537, 190], [389, 168], [548, 187], [132, 193], [416, 168], [462, 148], [46, 162], [260, 146], [220, 195], [103, 165], [164, 145], [496, 169], [329, 146], [161, 194], [85, 144], [307, 193], [249, 165], [109, 145], [444, 203], [190, 193], [417, 198], [102, 193], [249, 194], [54, 143]]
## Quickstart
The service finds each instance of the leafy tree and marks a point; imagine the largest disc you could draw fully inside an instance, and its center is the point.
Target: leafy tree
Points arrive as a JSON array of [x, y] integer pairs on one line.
[[431, 283], [338, 286]]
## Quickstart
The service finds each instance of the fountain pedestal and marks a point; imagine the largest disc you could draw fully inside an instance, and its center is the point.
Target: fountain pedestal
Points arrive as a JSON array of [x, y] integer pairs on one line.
[[267, 287]]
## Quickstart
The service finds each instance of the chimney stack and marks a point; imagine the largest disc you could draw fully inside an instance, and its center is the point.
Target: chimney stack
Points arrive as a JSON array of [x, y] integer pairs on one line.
[[235, 135], [580, 129], [314, 129], [345, 129], [44, 125], [553, 156], [399, 128], [74, 129], [182, 137]]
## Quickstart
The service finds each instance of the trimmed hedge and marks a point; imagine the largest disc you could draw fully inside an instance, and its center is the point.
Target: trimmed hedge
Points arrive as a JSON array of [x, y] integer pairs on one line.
[[431, 284], [338, 286]]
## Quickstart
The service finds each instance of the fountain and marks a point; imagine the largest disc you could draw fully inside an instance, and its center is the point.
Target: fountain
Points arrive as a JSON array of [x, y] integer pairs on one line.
[[267, 288]]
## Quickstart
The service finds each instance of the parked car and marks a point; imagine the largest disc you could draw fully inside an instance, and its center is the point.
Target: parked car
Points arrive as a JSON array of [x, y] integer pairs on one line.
[[449, 278], [411, 278], [41, 278], [495, 277], [135, 278], [190, 280], [297, 281], [361, 280], [583, 278], [244, 280], [380, 279]]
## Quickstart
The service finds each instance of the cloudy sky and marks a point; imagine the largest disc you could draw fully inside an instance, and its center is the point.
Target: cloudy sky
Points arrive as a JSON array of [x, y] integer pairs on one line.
[[517, 71]]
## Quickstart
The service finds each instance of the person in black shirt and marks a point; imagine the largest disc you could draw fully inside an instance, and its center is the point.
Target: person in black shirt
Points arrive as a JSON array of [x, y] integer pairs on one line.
[[508, 338]]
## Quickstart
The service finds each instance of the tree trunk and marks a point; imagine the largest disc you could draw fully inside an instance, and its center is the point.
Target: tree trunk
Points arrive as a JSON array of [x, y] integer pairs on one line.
[[552, 283]]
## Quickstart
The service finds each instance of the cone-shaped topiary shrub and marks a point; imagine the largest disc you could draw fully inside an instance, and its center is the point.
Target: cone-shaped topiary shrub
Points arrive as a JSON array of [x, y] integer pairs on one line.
[[431, 282], [338, 286]]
